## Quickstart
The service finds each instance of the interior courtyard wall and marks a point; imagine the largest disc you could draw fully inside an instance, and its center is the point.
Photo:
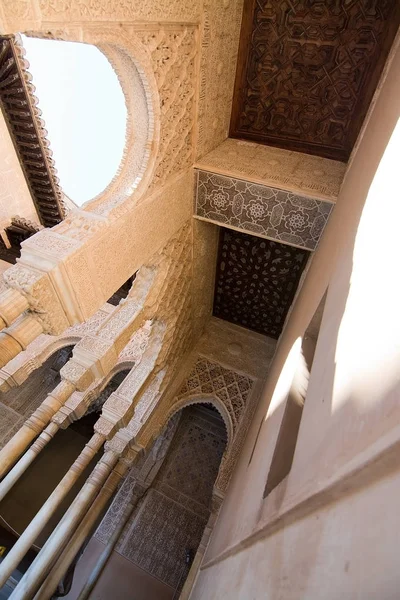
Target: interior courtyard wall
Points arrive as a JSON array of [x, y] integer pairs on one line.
[[327, 553], [194, 42], [227, 366], [15, 198], [317, 529]]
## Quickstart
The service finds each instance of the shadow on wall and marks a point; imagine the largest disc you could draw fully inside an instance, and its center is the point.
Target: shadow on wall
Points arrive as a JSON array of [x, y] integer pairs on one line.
[[354, 382]]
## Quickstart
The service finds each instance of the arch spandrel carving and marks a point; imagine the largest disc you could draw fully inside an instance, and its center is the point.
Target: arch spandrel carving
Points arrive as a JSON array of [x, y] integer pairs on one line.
[[208, 381], [161, 117], [203, 399], [133, 67]]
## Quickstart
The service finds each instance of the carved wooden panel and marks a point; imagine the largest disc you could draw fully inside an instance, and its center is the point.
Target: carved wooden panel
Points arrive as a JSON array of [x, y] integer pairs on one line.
[[27, 132], [256, 281], [17, 232], [308, 69]]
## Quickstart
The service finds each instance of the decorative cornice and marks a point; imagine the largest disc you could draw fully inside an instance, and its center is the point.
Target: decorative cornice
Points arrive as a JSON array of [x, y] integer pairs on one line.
[[261, 210], [17, 232], [22, 115]]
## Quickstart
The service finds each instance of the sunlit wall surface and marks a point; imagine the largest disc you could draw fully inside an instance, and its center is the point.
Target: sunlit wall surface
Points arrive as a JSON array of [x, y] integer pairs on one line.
[[84, 110]]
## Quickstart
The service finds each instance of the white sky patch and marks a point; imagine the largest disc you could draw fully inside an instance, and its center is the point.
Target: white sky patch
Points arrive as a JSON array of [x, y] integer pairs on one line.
[[84, 111]]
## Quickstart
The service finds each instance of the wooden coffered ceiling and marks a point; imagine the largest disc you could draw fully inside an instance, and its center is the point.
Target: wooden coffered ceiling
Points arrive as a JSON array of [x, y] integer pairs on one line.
[[256, 281], [307, 71]]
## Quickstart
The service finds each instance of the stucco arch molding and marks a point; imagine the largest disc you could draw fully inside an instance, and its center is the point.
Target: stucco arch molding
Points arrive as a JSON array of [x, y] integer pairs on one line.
[[133, 67], [191, 399]]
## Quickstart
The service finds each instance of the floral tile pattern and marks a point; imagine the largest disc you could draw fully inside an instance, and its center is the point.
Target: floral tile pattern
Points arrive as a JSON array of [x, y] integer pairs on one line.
[[262, 210]]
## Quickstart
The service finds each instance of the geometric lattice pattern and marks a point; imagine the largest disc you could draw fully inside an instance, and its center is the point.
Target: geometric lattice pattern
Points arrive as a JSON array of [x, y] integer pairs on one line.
[[308, 70], [256, 281], [192, 463], [210, 378], [163, 530], [265, 211]]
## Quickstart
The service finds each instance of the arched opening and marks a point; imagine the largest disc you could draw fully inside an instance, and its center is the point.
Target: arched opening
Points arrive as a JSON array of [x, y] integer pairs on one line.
[[18, 404], [84, 110], [33, 488], [171, 487]]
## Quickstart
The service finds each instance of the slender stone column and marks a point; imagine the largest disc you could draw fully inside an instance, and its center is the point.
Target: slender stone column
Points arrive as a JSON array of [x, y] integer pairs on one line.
[[30, 534], [9, 348], [17, 337], [74, 408], [34, 425], [116, 412], [12, 305], [27, 459], [65, 529], [86, 527], [105, 555]]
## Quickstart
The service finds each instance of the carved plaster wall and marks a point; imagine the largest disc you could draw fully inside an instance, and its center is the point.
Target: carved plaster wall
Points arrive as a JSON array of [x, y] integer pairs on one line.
[[182, 68], [220, 43], [171, 517], [221, 371]]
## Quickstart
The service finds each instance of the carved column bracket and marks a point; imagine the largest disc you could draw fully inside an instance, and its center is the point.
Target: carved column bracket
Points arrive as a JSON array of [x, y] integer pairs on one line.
[[12, 305], [17, 337]]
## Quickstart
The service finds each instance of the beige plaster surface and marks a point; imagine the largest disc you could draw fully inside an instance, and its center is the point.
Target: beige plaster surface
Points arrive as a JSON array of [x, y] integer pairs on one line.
[[236, 347], [328, 530], [15, 198], [293, 171], [345, 550], [79, 264]]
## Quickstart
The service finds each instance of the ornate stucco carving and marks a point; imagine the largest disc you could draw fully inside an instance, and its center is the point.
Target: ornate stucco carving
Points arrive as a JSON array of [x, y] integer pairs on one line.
[[210, 380], [40, 293], [262, 210], [226, 369], [116, 336], [232, 393], [76, 265], [86, 10], [36, 354], [159, 290], [173, 52], [136, 345], [219, 47], [180, 56]]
